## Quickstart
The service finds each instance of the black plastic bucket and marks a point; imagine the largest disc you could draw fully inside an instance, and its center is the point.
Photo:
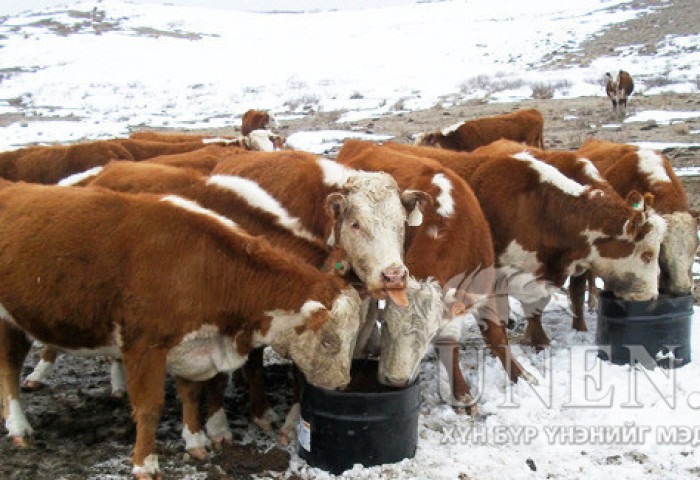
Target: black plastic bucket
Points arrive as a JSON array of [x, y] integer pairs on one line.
[[661, 326], [367, 423]]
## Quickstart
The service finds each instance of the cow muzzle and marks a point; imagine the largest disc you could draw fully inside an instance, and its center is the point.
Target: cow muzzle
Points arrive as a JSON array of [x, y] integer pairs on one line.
[[393, 285]]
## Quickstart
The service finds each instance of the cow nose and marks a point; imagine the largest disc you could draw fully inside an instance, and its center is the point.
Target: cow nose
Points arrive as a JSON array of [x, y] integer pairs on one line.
[[394, 277], [395, 382]]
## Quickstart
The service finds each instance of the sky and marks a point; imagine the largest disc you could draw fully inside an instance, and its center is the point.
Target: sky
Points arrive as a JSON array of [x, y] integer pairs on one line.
[[197, 65]]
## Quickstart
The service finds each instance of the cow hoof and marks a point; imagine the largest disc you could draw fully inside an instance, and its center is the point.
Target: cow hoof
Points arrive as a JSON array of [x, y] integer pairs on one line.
[[268, 422], [200, 453], [147, 476], [32, 386], [283, 439], [218, 443], [529, 378], [19, 442]]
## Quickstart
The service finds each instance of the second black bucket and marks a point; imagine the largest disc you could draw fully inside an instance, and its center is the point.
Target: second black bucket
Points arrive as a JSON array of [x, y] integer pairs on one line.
[[661, 327], [368, 423]]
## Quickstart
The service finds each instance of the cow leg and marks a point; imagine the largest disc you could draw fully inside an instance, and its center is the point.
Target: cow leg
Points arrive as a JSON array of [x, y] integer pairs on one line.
[[196, 441], [493, 329], [216, 426], [452, 384], [116, 376], [288, 431], [145, 383], [577, 290], [593, 292], [263, 415], [42, 371], [14, 347]]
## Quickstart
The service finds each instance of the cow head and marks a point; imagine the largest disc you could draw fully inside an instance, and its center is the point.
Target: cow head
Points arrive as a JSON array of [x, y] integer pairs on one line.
[[407, 332], [629, 263], [678, 253], [369, 218], [322, 345], [263, 141], [425, 139]]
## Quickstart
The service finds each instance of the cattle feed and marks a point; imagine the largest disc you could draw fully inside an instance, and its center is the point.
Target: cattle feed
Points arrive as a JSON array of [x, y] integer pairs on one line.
[[444, 199], [549, 174], [652, 165], [256, 197], [194, 207]]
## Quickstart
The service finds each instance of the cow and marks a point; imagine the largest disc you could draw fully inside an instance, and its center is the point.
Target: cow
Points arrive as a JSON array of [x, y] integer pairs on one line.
[[256, 120], [169, 287], [259, 140], [546, 224], [521, 126], [618, 87], [453, 239], [49, 164], [630, 168]]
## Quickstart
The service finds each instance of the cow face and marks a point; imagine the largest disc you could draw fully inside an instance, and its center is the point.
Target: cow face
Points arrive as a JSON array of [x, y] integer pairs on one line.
[[369, 221], [629, 263], [322, 347], [407, 333], [678, 253]]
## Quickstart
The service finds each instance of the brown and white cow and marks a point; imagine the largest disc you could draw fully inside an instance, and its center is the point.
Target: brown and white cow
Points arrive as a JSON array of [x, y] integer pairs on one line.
[[257, 140], [522, 126], [628, 168], [166, 285], [618, 87], [453, 241], [256, 120], [551, 226]]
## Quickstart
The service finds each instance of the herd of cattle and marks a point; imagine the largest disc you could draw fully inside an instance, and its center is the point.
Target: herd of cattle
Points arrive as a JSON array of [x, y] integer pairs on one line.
[[187, 254]]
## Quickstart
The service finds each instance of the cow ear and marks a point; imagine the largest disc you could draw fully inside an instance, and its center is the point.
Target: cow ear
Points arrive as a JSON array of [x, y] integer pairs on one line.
[[635, 200], [648, 201], [337, 262], [335, 205], [415, 201]]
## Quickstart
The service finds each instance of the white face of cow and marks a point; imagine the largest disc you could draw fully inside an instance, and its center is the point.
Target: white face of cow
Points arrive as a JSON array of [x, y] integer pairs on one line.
[[407, 333], [324, 352], [370, 219], [678, 253], [629, 264]]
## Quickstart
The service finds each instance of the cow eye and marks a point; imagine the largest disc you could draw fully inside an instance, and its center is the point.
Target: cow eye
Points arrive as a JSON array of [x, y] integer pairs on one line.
[[355, 225], [647, 256], [329, 342]]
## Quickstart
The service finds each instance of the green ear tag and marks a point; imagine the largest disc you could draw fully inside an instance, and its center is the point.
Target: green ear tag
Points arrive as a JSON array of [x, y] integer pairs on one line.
[[636, 205], [338, 265]]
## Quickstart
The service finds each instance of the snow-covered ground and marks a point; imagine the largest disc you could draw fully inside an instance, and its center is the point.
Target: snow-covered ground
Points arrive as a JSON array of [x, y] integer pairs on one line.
[[116, 65], [196, 67]]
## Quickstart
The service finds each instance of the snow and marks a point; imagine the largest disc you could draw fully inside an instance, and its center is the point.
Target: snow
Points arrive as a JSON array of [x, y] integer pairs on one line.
[[202, 64], [212, 60]]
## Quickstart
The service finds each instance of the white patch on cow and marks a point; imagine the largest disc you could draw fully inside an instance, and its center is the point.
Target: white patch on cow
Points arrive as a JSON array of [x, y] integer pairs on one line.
[[590, 171], [334, 174], [149, 467], [194, 440], [259, 140], [310, 307], [41, 372], [5, 315], [203, 353], [452, 128], [549, 174], [195, 208], [16, 423], [652, 165], [282, 322], [217, 426], [117, 377], [257, 197], [331, 239], [444, 199], [225, 141], [433, 232], [516, 256], [79, 177]]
